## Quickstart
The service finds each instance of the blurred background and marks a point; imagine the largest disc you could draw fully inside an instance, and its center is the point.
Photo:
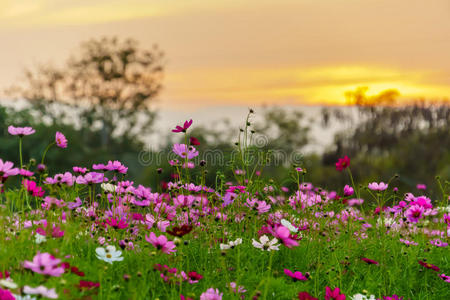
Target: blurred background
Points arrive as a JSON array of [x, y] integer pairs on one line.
[[365, 78]]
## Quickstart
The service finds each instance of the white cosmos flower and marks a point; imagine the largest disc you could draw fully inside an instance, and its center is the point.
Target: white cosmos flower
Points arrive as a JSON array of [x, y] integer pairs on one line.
[[8, 283], [23, 297], [41, 290], [231, 244], [265, 244], [110, 254], [108, 187], [39, 239], [362, 297], [289, 226]]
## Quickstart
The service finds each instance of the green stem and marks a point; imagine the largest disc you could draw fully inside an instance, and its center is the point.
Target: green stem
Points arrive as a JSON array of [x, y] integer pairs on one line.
[[20, 151], [45, 152]]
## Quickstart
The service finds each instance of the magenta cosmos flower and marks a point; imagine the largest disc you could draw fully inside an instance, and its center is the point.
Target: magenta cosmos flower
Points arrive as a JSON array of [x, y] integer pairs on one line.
[[414, 213], [183, 128], [184, 151], [211, 294], [46, 264], [60, 140], [297, 275], [20, 131], [161, 243], [343, 163], [348, 190], [6, 295], [378, 186], [6, 170], [333, 294]]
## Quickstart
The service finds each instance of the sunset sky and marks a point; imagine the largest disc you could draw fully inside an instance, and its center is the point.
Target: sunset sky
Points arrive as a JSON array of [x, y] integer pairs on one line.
[[246, 52]]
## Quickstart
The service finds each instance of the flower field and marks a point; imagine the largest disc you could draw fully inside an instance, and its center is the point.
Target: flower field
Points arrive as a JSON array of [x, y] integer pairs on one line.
[[91, 233]]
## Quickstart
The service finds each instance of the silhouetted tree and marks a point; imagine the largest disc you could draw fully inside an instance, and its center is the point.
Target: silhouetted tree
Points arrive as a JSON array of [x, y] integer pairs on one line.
[[109, 84]]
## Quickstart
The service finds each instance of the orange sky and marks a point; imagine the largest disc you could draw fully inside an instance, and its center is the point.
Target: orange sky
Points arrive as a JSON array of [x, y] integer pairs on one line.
[[248, 52]]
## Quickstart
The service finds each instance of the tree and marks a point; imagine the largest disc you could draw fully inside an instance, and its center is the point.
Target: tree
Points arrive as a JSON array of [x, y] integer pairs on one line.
[[108, 85]]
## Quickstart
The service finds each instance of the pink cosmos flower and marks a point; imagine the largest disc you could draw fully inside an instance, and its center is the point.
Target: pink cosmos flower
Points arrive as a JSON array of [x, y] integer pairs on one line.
[[414, 213], [237, 289], [184, 151], [421, 186], [40, 290], [66, 178], [333, 294], [60, 140], [348, 190], [46, 264], [378, 186], [161, 243], [438, 243], [116, 166], [79, 170], [20, 131], [343, 163], [284, 235], [91, 178], [211, 294], [6, 170], [353, 202], [297, 275], [445, 277], [25, 173], [185, 127]]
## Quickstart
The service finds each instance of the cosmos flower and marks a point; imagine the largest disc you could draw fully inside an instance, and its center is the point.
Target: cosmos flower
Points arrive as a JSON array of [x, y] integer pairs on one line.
[[110, 254], [305, 296], [6, 295], [445, 277], [46, 264], [429, 266], [297, 275], [438, 243], [33, 188], [231, 244], [211, 294], [6, 170], [194, 141], [333, 294], [362, 297], [40, 290], [348, 190], [183, 128], [265, 244], [414, 213], [378, 186], [369, 261], [161, 243], [60, 140], [284, 235], [343, 163], [289, 225], [20, 131], [184, 151]]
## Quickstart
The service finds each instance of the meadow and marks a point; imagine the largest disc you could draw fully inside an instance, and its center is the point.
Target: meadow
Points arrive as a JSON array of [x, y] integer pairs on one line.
[[91, 233]]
